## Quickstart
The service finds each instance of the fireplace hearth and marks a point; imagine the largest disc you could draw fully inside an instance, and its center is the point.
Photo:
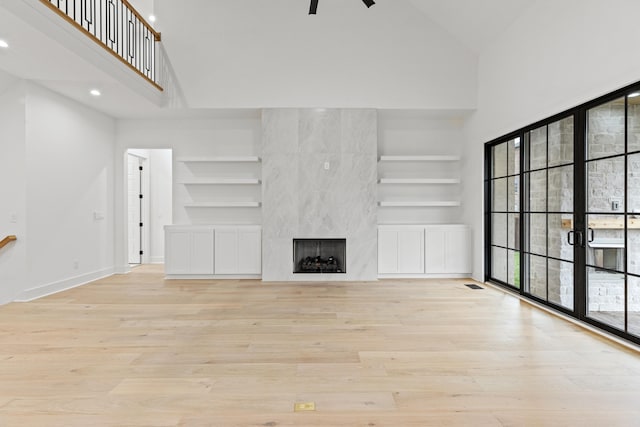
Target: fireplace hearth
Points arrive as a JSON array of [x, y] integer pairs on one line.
[[319, 255]]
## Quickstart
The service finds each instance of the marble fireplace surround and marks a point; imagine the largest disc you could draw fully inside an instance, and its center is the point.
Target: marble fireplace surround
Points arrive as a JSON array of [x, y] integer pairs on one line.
[[319, 180]]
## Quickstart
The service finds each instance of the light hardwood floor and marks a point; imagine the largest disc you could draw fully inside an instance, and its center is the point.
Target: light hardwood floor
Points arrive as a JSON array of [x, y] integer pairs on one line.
[[135, 350]]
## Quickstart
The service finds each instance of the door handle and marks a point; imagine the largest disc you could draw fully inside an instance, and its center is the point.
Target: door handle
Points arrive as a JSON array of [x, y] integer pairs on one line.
[[591, 234], [571, 238]]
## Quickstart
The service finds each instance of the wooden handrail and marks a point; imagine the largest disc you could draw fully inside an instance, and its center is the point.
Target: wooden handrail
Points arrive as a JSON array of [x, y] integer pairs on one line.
[[156, 34], [4, 242]]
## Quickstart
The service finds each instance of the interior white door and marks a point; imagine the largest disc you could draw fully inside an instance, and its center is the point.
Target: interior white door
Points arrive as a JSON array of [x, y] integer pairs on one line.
[[134, 212]]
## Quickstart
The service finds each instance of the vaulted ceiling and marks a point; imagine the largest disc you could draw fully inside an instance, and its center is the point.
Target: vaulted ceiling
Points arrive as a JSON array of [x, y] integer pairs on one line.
[[474, 22], [257, 53]]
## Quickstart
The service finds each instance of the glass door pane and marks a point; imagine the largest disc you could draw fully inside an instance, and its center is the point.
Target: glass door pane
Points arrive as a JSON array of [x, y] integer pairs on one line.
[[605, 202], [505, 212], [549, 207]]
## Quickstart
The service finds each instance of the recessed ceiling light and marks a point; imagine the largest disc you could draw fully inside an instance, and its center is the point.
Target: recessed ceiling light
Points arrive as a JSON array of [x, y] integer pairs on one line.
[[95, 92], [152, 18], [321, 110], [634, 94], [4, 44]]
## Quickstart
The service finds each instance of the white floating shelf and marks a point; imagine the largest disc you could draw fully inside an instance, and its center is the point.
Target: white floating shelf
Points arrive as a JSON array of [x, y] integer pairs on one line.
[[420, 204], [223, 205], [219, 159], [419, 158], [419, 181], [220, 181]]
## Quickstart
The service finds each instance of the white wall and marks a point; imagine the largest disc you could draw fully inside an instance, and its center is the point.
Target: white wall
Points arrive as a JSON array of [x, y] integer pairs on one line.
[[555, 56], [13, 203], [270, 54], [160, 201], [69, 192]]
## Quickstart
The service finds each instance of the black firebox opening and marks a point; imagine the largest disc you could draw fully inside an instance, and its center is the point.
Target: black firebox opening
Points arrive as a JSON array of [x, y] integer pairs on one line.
[[319, 255]]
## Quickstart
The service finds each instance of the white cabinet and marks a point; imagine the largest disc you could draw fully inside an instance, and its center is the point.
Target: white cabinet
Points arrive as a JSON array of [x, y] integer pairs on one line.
[[215, 251], [201, 253], [249, 251], [401, 250], [238, 251], [226, 251], [189, 250], [411, 251], [387, 251], [447, 249], [457, 250], [176, 252], [424, 250], [434, 256]]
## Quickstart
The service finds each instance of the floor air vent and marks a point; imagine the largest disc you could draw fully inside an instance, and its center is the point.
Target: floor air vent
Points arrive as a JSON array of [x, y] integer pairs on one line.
[[472, 286]]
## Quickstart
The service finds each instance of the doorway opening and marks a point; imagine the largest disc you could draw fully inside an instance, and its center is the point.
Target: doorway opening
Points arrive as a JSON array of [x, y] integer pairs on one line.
[[149, 203]]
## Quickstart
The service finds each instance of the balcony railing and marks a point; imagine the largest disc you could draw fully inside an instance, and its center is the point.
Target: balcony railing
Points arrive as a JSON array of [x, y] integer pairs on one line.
[[119, 28]]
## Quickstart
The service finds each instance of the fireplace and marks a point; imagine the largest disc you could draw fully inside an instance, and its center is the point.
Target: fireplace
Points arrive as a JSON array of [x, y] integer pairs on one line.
[[320, 256]]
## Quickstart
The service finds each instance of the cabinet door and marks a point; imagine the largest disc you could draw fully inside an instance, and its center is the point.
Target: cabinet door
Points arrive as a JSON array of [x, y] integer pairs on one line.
[[434, 253], [226, 252], [457, 250], [411, 251], [201, 253], [387, 251], [176, 252], [249, 252]]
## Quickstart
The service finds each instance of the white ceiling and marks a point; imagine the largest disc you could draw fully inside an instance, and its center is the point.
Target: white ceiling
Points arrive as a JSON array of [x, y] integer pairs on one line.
[[476, 23], [35, 55]]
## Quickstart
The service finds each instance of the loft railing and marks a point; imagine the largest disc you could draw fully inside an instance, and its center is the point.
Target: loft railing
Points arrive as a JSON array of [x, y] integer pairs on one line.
[[4, 242], [119, 28]]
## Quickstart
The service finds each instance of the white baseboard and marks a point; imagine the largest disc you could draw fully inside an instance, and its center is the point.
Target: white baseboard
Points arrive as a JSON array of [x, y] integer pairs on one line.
[[63, 285], [122, 269], [212, 276], [156, 260], [424, 276]]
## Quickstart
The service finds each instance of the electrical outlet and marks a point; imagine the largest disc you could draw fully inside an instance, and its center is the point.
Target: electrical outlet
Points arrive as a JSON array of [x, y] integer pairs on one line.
[[76, 264], [327, 165]]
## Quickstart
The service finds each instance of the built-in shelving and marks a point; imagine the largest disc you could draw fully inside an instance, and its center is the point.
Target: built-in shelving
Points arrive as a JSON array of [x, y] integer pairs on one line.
[[220, 181], [221, 159], [420, 158], [418, 204], [229, 204], [419, 168], [220, 189], [419, 181]]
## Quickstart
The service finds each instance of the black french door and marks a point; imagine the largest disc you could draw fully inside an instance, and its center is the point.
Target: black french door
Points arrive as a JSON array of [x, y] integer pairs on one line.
[[563, 212]]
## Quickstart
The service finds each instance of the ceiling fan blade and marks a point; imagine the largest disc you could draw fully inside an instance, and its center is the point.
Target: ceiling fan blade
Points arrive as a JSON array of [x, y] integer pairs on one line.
[[314, 7]]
